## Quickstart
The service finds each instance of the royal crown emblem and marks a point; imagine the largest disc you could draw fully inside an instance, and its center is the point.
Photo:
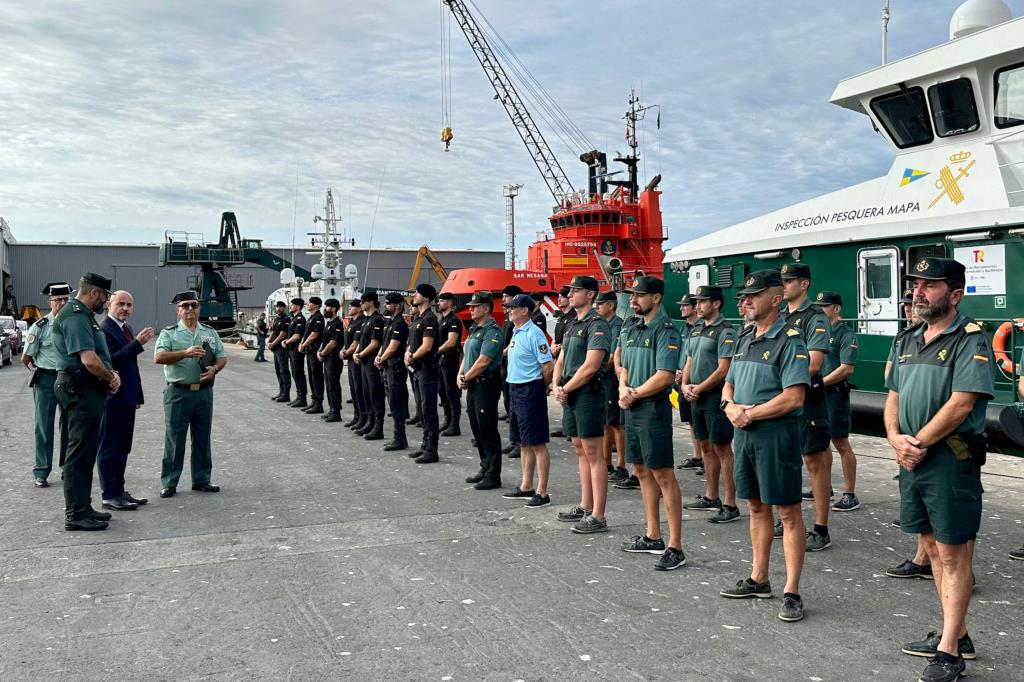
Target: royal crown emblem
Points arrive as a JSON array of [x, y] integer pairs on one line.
[[785, 268], [821, 295], [959, 157], [921, 266], [750, 281]]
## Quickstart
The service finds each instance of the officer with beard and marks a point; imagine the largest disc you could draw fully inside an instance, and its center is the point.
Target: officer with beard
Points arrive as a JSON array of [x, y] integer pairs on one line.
[[333, 338], [278, 333], [296, 331], [396, 338]]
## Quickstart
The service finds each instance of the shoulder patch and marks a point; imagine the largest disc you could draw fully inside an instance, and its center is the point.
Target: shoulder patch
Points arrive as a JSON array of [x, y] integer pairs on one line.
[[972, 328], [792, 332], [42, 322], [170, 328]]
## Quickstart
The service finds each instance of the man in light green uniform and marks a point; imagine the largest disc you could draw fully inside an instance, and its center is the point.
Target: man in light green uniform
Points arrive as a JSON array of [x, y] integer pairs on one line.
[[614, 421], [84, 377], [41, 357], [192, 355]]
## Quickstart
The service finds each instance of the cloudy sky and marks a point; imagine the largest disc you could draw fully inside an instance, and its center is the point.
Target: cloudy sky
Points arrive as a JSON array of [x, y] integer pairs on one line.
[[121, 119]]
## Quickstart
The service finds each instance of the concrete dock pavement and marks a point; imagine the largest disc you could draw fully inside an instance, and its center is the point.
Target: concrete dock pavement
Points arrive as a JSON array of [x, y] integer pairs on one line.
[[325, 558]]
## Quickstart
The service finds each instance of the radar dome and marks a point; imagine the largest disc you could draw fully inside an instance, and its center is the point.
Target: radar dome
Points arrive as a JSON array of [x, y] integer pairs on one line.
[[351, 271], [977, 15], [317, 271], [287, 276]]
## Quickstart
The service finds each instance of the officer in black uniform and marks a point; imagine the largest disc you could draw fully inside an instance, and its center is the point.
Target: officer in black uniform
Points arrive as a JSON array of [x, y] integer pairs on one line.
[[371, 336], [449, 356], [278, 333], [311, 342], [296, 332], [390, 359], [421, 359], [333, 342], [414, 377], [538, 317], [355, 379]]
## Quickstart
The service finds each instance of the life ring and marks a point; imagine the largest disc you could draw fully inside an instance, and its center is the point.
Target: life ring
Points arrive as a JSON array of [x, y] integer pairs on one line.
[[999, 341]]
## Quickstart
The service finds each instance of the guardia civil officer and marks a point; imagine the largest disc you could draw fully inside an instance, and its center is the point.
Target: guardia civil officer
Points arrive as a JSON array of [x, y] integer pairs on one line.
[[85, 376], [577, 378], [939, 387], [561, 319], [355, 377], [296, 332], [814, 429], [650, 358], [618, 480], [421, 359], [614, 420], [262, 330], [688, 313], [449, 357], [192, 355], [310, 344], [278, 333], [370, 339], [762, 396], [480, 377], [41, 357], [709, 353], [329, 354], [390, 360]]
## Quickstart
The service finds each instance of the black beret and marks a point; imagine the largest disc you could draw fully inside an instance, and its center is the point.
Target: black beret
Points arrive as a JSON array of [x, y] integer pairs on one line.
[[564, 292], [332, 303], [511, 290], [426, 291], [281, 304], [446, 296], [298, 301], [316, 300], [370, 297], [394, 297]]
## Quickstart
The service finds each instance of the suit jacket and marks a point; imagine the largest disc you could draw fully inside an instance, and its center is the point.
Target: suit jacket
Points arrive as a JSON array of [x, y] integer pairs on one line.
[[124, 357]]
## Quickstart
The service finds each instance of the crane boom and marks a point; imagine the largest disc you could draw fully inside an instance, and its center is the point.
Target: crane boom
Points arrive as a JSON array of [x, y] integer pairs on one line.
[[555, 178]]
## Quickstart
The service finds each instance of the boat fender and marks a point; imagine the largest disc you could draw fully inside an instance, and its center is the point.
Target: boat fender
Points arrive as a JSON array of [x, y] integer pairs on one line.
[[999, 341]]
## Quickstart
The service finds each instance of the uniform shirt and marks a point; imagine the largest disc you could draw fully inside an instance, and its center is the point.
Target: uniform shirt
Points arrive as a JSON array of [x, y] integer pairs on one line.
[[959, 358], [527, 353], [296, 326], [563, 319], [40, 344], [581, 336], [372, 330], [261, 327], [353, 329], [178, 337], [397, 330], [281, 324], [424, 327], [813, 325], [484, 339], [615, 324], [763, 366], [450, 323], [315, 324], [75, 330], [649, 348], [685, 343], [843, 349], [540, 321], [707, 344], [334, 330]]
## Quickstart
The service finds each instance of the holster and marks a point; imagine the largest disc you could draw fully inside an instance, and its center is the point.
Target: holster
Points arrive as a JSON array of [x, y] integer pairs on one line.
[[969, 446]]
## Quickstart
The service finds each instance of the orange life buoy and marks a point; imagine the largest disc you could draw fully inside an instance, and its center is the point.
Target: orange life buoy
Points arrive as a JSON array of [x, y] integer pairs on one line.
[[999, 341]]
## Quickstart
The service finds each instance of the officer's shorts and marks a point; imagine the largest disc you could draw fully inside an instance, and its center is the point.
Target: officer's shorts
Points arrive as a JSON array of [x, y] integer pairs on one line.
[[685, 410], [814, 430], [612, 411], [583, 416], [942, 496], [767, 461], [649, 433], [709, 420], [838, 414], [528, 421]]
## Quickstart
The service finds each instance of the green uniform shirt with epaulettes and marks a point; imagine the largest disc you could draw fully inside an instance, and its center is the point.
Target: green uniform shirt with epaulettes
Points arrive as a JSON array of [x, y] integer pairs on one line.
[[844, 348], [648, 348], [75, 330], [763, 366], [958, 359], [581, 337], [484, 339], [40, 344], [615, 325], [178, 337], [684, 343], [813, 325], [708, 343]]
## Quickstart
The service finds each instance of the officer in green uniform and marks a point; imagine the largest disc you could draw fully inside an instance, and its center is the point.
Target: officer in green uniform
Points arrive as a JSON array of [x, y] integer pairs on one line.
[[614, 422], [480, 377], [585, 349], [762, 397], [84, 377], [192, 354], [939, 387], [41, 357], [650, 358], [688, 314]]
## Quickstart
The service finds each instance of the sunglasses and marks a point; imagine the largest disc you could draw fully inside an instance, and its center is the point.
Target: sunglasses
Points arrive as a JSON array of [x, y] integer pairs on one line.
[[188, 306], [59, 299]]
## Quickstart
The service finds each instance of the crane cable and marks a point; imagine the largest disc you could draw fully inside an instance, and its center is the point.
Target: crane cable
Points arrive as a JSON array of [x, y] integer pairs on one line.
[[446, 77]]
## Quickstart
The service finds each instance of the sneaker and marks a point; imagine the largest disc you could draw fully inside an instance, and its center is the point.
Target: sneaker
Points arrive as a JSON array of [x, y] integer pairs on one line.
[[1017, 554], [518, 494], [817, 542], [848, 502], [725, 515], [943, 668], [573, 514], [641, 544], [538, 501], [631, 483], [792, 608], [929, 646], [809, 494], [908, 569], [618, 476], [778, 529], [698, 471], [589, 524], [704, 502], [748, 588], [896, 523], [691, 463], [671, 560]]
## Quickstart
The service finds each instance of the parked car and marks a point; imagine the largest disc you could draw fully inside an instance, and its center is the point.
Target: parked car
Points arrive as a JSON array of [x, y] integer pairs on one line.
[[6, 354], [9, 326]]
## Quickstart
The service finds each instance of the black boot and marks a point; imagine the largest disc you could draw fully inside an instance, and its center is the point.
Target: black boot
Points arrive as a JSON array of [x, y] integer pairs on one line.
[[367, 426], [428, 457], [275, 398], [316, 408], [298, 402], [351, 423], [377, 432], [418, 451], [398, 442], [452, 430], [361, 424], [414, 420], [332, 417], [283, 398]]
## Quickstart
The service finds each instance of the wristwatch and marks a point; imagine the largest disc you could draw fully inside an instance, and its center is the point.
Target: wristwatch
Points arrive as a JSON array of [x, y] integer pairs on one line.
[[725, 403]]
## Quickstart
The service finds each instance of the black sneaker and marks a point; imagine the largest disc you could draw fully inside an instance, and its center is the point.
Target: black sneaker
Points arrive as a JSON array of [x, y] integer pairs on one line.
[[777, 533], [725, 515], [705, 503], [929, 646], [748, 588], [631, 483], [943, 668], [691, 463], [817, 542], [908, 569], [40, 482], [573, 514], [538, 501], [671, 560], [848, 502], [589, 524], [518, 494], [1017, 554], [641, 544], [618, 476], [809, 494], [792, 608]]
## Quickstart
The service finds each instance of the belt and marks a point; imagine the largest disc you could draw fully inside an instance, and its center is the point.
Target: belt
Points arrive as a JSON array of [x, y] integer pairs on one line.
[[187, 387], [43, 370]]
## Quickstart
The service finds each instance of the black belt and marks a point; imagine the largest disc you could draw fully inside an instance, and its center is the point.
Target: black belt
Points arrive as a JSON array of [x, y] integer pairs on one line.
[[187, 387], [43, 370]]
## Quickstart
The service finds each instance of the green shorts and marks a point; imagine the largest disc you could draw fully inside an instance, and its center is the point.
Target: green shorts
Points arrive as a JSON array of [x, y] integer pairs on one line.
[[767, 461], [838, 413], [814, 429], [612, 411], [649, 433], [709, 420], [942, 496], [583, 416]]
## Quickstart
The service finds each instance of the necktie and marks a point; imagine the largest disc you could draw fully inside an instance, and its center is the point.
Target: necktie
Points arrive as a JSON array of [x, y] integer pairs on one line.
[[127, 332]]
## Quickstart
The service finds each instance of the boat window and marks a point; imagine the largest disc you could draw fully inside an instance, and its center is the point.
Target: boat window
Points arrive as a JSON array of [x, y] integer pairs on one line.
[[918, 251], [616, 218], [577, 219], [1009, 87], [954, 111], [904, 117], [554, 223], [629, 218], [879, 277]]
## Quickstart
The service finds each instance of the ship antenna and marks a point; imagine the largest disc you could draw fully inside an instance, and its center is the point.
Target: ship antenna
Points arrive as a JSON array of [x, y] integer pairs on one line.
[[885, 32]]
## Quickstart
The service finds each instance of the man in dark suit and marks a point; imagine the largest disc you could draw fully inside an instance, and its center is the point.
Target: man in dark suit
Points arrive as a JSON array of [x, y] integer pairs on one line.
[[118, 424]]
